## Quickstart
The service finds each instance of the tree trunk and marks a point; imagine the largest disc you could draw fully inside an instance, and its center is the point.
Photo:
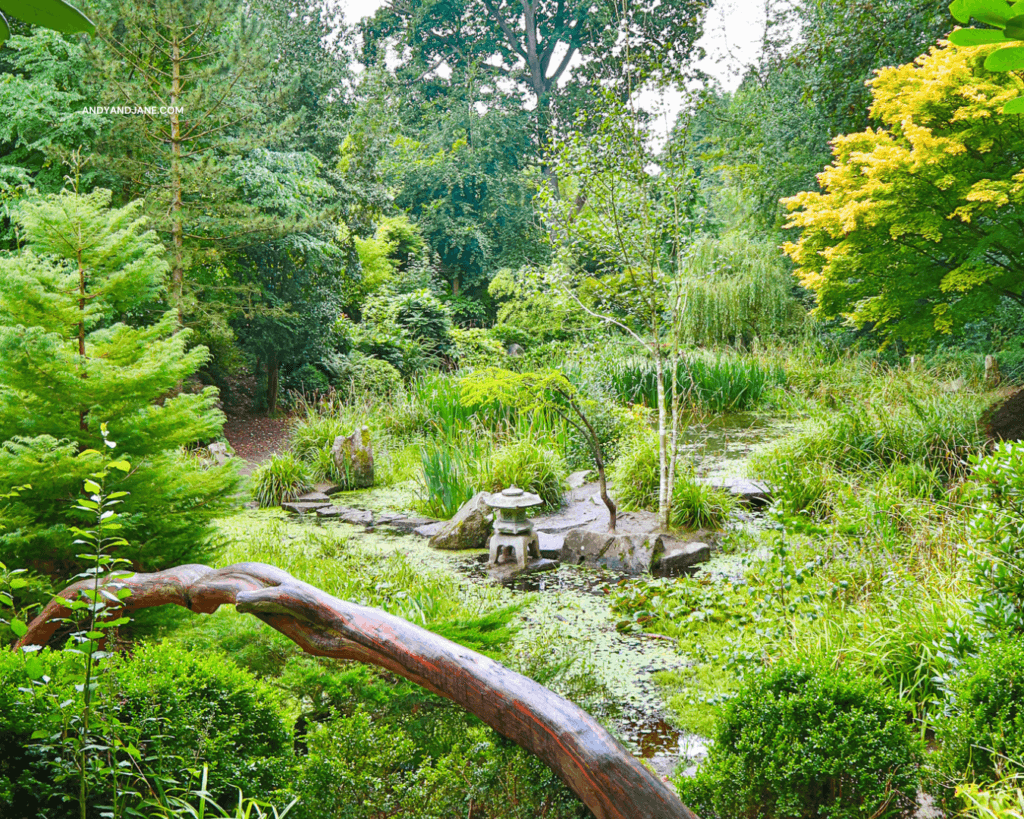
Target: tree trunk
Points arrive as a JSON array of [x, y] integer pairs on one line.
[[609, 780], [273, 381], [177, 228], [664, 489], [83, 412]]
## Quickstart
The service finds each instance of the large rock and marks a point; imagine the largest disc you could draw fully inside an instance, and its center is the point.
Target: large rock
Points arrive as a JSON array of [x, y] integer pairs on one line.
[[618, 551], [219, 453], [679, 557], [353, 456], [632, 552], [469, 529]]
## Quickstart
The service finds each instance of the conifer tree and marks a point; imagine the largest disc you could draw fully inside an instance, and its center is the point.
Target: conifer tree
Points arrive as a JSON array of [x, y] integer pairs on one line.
[[85, 340]]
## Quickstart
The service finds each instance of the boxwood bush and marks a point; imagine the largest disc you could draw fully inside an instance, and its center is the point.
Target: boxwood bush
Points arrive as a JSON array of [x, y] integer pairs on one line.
[[803, 742]]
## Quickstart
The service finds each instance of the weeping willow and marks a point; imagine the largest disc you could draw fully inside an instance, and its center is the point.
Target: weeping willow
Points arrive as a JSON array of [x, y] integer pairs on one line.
[[736, 289]]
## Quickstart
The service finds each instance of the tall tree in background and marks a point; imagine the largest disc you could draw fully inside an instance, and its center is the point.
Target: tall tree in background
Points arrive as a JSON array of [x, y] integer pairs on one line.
[[84, 342], [296, 282], [203, 61], [549, 49], [624, 233], [770, 137]]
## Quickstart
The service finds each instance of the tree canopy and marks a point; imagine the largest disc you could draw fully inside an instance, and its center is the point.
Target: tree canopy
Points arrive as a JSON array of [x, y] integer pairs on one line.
[[917, 228]]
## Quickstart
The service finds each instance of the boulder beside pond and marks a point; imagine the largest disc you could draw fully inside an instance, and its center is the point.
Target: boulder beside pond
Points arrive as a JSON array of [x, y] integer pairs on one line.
[[469, 529], [353, 457], [633, 552]]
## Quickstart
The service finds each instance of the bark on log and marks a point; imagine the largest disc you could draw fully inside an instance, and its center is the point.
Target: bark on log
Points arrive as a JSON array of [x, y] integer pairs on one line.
[[606, 777]]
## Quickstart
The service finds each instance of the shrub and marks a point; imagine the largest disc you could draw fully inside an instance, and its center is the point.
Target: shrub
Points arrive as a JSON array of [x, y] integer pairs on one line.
[[375, 377], [181, 709], [982, 735], [197, 708], [477, 348], [697, 505], [308, 379], [996, 529], [529, 466], [799, 742], [425, 319], [281, 479]]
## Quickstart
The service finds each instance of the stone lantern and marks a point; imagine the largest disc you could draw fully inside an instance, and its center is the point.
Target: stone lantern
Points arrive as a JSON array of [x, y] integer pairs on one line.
[[513, 538]]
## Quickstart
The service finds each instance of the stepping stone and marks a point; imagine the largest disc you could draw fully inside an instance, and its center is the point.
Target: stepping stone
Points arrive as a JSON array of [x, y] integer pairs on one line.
[[429, 529], [678, 558], [577, 479], [314, 497], [407, 524], [303, 507], [357, 517], [743, 489], [550, 544]]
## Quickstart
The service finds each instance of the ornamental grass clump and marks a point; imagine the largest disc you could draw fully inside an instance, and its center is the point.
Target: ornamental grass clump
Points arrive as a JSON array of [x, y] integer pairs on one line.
[[807, 742], [529, 466], [280, 480], [448, 478], [697, 505], [714, 382]]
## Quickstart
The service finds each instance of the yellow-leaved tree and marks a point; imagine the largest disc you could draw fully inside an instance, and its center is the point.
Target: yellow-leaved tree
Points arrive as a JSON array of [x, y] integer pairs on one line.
[[919, 227]]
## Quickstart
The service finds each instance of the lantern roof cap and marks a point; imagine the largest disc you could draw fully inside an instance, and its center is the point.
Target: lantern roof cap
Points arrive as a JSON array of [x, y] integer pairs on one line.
[[512, 498]]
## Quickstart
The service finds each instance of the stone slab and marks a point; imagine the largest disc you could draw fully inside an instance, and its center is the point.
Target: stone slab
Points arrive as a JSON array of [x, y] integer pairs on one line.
[[405, 523], [744, 490], [678, 557], [507, 572], [303, 507], [314, 497], [429, 529]]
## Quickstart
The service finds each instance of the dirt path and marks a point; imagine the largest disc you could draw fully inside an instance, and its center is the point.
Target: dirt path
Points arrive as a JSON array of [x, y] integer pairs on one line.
[[256, 437]]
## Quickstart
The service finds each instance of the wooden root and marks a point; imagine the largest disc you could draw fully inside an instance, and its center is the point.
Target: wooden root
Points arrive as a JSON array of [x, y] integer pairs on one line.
[[592, 763]]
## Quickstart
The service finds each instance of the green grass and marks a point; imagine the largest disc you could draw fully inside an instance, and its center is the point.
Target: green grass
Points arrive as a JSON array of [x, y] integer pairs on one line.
[[716, 383]]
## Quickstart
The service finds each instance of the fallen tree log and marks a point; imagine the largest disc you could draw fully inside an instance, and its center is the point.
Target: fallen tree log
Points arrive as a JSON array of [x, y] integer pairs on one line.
[[592, 763]]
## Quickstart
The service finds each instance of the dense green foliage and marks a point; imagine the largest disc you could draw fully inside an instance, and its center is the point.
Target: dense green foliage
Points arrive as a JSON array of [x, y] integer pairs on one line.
[[983, 735], [808, 743], [86, 342]]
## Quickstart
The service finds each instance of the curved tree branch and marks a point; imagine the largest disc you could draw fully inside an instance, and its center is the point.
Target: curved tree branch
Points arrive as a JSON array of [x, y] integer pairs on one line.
[[609, 780]]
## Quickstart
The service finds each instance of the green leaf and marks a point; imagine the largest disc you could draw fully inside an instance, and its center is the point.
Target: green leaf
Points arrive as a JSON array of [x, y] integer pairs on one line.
[[5, 30], [18, 627], [52, 14], [976, 37], [1015, 27], [960, 11], [1014, 106], [92, 486], [123, 465], [1006, 59], [993, 12]]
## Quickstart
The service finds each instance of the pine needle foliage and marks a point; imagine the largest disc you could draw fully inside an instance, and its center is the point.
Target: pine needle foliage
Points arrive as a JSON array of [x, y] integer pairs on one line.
[[84, 341]]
